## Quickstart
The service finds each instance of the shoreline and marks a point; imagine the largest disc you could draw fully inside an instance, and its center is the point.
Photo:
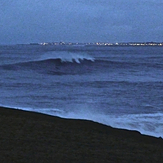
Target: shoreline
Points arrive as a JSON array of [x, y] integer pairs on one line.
[[147, 133], [36, 137]]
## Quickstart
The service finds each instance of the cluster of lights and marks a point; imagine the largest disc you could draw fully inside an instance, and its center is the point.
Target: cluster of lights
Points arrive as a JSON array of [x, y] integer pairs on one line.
[[131, 44], [146, 44], [106, 44]]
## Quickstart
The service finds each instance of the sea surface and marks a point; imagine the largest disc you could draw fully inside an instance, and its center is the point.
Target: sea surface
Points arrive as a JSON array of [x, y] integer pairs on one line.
[[117, 86]]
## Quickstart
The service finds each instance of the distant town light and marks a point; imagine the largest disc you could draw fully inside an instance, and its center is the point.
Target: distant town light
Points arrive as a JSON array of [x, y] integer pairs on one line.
[[102, 44]]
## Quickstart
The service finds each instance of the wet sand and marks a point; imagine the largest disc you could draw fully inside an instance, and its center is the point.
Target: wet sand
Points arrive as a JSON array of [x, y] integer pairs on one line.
[[34, 137]]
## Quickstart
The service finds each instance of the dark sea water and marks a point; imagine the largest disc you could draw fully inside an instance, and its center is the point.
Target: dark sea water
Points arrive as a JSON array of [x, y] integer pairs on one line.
[[118, 86]]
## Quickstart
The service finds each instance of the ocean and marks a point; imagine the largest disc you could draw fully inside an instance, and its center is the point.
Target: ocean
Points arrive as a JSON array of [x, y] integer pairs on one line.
[[118, 86]]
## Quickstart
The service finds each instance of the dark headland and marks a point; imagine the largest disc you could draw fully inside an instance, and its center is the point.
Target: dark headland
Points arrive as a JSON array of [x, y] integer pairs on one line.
[[38, 138]]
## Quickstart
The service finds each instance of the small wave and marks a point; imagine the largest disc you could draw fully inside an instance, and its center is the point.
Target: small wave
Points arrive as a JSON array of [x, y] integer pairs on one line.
[[49, 111]]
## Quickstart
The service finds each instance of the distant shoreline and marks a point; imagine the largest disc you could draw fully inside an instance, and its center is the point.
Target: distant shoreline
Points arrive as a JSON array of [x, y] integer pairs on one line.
[[101, 44], [89, 44]]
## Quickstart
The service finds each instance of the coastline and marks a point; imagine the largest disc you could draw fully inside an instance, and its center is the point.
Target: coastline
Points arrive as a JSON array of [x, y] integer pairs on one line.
[[36, 137]]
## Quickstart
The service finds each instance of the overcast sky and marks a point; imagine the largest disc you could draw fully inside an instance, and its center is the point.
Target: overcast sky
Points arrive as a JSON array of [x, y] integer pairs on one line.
[[80, 21]]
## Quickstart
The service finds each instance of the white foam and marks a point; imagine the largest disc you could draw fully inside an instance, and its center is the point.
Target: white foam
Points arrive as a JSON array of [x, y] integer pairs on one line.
[[148, 124], [67, 56]]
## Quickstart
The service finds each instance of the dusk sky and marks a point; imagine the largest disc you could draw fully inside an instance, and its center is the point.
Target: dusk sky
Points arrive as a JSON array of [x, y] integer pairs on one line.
[[80, 21]]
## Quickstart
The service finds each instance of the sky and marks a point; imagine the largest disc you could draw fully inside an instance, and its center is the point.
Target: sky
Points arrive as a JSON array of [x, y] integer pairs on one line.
[[80, 21]]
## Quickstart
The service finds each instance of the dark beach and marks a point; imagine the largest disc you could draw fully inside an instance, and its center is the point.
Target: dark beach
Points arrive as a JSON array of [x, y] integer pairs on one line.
[[34, 137]]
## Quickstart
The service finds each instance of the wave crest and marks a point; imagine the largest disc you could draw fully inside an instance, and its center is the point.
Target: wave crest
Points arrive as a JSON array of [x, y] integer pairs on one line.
[[67, 57]]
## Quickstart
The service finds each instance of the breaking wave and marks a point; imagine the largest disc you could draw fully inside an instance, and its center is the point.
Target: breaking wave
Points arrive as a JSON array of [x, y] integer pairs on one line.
[[55, 63], [71, 63]]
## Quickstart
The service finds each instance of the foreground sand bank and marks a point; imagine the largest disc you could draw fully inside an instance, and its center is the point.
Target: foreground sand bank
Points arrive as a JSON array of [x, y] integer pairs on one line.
[[34, 137]]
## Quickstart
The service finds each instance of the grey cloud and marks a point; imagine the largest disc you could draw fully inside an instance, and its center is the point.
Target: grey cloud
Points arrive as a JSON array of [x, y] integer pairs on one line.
[[80, 20]]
